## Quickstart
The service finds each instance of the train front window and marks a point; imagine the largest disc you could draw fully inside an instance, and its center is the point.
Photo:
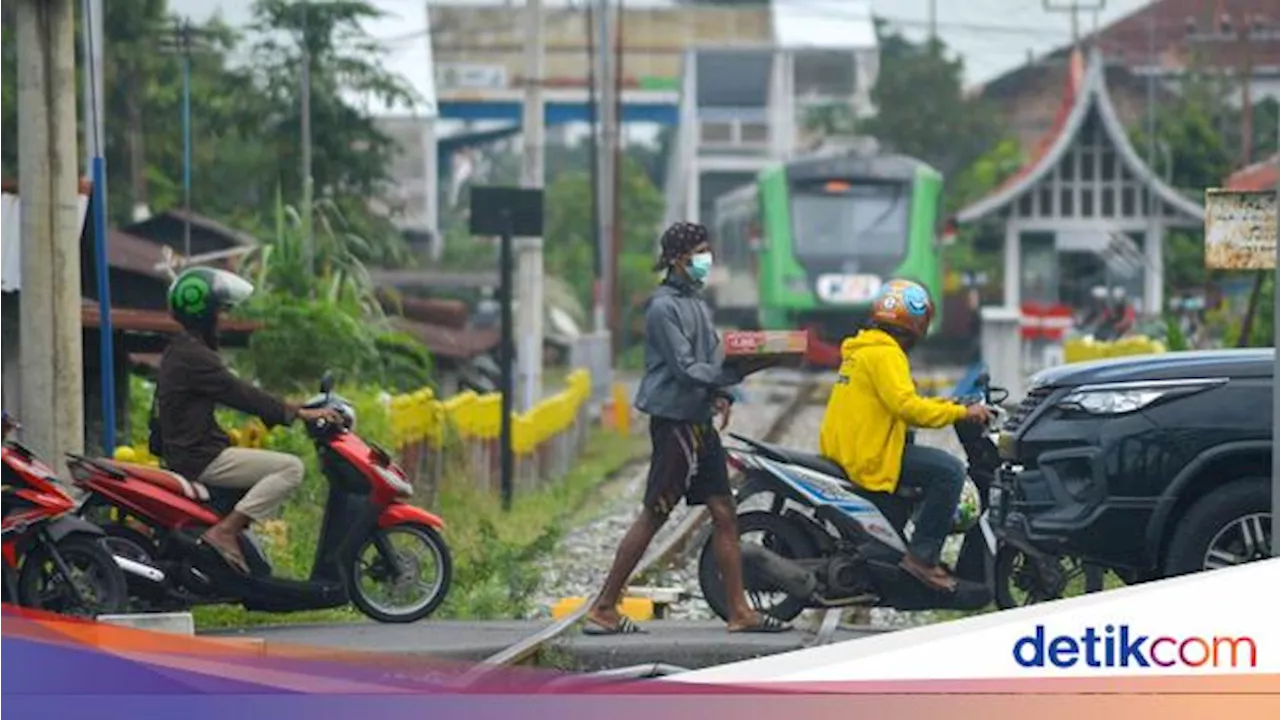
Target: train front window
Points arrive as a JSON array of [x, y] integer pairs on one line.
[[842, 219]]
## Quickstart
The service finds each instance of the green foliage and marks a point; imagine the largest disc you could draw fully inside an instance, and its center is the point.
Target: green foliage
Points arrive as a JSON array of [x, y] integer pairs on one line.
[[245, 121], [1174, 339], [350, 154], [570, 257], [301, 339], [405, 363], [922, 109]]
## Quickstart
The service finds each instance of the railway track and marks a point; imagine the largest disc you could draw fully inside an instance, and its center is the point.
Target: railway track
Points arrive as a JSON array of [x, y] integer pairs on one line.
[[666, 549]]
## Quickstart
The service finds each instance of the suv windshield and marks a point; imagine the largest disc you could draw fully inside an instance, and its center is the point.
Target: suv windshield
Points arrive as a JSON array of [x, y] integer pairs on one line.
[[854, 220]]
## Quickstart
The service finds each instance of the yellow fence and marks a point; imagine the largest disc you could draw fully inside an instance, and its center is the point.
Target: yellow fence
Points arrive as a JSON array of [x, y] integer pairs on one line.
[[1082, 349], [420, 421], [420, 417]]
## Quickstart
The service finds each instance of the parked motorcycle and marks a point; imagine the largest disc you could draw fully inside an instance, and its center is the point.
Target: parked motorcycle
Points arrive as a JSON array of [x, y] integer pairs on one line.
[[830, 543], [376, 551], [53, 560]]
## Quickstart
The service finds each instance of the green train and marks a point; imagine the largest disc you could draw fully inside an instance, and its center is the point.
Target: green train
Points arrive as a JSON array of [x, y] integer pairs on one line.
[[809, 242]]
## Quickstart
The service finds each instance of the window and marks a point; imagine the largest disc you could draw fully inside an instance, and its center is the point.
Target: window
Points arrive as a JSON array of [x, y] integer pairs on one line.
[[863, 220]]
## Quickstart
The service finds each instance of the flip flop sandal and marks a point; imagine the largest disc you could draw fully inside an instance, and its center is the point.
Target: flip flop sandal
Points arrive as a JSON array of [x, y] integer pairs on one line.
[[625, 626], [927, 580], [234, 562], [767, 624]]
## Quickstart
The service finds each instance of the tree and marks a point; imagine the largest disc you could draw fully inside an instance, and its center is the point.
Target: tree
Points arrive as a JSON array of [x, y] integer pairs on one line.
[[350, 155], [921, 107]]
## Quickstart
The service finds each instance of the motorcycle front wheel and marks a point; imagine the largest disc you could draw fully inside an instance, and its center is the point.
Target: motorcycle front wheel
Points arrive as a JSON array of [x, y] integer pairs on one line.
[[426, 570], [97, 577], [1020, 581]]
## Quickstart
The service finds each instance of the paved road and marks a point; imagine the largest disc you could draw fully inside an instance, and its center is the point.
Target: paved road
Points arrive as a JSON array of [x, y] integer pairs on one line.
[[691, 644]]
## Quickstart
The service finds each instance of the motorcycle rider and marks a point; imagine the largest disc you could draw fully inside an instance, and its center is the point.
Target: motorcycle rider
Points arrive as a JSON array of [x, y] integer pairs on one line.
[[193, 379], [872, 404]]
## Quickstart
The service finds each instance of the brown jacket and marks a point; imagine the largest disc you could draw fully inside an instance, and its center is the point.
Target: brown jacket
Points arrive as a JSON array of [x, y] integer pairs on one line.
[[193, 379]]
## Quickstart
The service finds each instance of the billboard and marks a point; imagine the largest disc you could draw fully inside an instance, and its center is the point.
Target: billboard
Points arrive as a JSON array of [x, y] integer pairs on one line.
[[1240, 230]]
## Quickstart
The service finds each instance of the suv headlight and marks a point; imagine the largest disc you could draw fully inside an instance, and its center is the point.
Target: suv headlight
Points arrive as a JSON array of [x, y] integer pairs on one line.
[[1121, 398]]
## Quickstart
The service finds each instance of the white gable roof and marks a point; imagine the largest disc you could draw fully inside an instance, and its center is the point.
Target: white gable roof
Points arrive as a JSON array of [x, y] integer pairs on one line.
[[1092, 95]]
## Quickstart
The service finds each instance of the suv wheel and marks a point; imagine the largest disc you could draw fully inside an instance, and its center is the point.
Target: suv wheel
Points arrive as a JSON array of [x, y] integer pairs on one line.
[[1229, 526]]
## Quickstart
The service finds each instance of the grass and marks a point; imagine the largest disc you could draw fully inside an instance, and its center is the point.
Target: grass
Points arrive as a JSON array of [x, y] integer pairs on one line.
[[492, 573]]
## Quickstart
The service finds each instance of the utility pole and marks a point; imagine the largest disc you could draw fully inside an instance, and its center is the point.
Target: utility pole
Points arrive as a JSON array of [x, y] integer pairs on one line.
[[1073, 7], [529, 249], [933, 22], [91, 11], [184, 44], [1275, 396], [615, 286], [308, 201], [50, 339], [593, 150], [91, 39], [608, 108]]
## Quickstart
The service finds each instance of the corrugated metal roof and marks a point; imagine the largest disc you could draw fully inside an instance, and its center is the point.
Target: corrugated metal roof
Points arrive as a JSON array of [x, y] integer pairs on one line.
[[824, 24], [1258, 176]]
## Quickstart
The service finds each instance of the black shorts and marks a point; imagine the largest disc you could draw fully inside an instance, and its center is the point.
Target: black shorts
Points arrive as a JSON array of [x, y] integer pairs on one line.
[[688, 461]]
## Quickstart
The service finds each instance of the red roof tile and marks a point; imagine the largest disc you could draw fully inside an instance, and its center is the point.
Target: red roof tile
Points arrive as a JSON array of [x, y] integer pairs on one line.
[[1258, 176]]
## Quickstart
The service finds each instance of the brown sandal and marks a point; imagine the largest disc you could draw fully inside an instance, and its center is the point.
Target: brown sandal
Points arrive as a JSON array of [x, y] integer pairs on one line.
[[942, 581]]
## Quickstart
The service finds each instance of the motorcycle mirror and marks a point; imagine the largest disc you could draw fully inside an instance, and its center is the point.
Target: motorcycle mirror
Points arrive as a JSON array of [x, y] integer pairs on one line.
[[326, 383]]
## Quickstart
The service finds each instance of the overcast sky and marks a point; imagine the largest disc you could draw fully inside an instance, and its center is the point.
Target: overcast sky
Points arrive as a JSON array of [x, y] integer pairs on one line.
[[993, 36]]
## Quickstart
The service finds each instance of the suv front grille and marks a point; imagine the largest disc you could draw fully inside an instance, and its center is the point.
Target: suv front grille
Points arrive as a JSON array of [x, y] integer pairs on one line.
[[1026, 407]]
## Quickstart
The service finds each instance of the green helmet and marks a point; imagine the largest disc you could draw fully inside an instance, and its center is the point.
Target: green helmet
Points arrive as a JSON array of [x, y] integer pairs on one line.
[[197, 294]]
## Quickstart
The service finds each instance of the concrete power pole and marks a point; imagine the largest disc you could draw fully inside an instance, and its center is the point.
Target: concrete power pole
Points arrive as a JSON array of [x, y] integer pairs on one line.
[[529, 250], [605, 156], [51, 346]]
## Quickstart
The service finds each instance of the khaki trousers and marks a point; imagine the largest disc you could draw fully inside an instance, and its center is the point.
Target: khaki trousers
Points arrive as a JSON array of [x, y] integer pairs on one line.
[[270, 477]]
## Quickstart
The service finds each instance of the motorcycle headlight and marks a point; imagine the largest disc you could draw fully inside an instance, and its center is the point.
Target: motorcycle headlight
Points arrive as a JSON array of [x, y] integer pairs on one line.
[[1122, 398], [402, 488]]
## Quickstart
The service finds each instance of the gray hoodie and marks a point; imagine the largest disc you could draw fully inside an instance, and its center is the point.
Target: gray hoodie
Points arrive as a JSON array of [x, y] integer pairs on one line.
[[682, 362]]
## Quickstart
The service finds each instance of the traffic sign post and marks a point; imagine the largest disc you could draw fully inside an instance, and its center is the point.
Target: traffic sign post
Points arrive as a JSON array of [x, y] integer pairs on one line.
[[506, 212], [1240, 234]]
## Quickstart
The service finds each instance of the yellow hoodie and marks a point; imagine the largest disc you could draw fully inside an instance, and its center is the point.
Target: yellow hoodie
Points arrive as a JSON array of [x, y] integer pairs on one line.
[[864, 428]]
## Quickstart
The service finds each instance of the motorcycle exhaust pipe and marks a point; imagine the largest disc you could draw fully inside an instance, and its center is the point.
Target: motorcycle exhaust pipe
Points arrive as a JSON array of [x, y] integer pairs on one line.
[[792, 578], [133, 567]]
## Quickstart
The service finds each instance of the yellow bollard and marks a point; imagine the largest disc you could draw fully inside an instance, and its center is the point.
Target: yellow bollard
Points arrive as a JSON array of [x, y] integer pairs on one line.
[[637, 608], [621, 409]]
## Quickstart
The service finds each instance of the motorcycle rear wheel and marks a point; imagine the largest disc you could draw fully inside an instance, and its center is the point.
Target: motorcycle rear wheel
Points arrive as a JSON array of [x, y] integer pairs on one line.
[[789, 541]]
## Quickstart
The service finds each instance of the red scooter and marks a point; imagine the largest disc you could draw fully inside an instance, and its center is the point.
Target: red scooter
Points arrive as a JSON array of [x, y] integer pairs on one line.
[[374, 550], [53, 560]]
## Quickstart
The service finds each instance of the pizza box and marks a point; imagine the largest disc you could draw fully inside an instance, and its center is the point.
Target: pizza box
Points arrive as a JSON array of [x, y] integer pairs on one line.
[[753, 350]]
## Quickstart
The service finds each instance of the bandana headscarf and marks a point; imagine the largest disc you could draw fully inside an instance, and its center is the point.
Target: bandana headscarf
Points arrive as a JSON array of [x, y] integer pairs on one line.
[[679, 239]]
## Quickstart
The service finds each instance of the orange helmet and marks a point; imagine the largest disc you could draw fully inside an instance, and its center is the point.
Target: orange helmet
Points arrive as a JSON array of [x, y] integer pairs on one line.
[[905, 305]]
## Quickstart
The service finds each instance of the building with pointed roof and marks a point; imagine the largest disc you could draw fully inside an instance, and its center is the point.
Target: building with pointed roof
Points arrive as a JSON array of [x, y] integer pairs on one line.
[[1085, 210]]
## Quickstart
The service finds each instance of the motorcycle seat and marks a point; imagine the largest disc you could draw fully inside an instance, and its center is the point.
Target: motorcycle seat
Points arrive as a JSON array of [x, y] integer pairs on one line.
[[826, 466], [165, 480]]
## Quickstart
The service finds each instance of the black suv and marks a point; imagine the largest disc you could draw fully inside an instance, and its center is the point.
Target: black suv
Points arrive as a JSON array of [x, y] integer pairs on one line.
[[1150, 466]]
